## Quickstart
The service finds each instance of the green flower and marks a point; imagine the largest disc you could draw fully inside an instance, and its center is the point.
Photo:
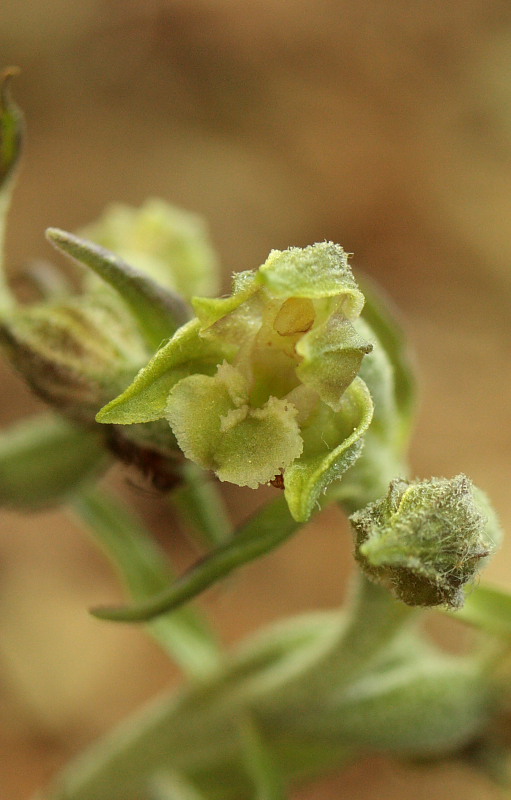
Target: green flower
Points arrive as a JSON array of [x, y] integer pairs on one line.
[[264, 383]]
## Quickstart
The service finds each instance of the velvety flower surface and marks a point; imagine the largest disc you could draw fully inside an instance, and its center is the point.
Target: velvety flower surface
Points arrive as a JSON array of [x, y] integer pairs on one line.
[[264, 383]]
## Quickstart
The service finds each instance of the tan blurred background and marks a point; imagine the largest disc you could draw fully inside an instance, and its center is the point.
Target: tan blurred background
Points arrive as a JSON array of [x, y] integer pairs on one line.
[[383, 126]]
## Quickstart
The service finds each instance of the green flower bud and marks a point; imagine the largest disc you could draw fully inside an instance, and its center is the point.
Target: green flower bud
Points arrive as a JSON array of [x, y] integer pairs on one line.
[[74, 354], [426, 540], [264, 384], [168, 244]]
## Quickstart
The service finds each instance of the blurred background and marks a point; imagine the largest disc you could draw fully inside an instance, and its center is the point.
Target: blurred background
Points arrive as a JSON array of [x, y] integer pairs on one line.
[[385, 127]]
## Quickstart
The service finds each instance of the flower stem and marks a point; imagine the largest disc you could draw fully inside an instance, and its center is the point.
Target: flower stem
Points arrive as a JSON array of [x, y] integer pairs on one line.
[[262, 533], [145, 570]]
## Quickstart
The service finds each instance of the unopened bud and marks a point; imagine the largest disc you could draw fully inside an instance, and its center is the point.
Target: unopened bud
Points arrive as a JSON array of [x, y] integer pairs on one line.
[[74, 354], [426, 539]]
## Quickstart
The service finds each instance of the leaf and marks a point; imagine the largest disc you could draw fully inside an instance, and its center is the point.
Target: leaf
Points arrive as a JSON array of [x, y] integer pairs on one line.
[[158, 311], [145, 400], [11, 128], [266, 530], [45, 459], [332, 443], [146, 571], [11, 141]]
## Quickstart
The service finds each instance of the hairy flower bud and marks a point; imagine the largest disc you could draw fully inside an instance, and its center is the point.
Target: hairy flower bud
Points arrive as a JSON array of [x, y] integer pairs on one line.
[[426, 539], [74, 354]]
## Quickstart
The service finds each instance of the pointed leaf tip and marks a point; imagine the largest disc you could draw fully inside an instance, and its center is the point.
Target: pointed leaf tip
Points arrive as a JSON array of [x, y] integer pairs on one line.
[[11, 126], [11, 141], [158, 311]]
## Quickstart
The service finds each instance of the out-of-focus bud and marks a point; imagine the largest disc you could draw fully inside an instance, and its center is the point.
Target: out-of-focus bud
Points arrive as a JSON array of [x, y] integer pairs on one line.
[[168, 244], [75, 355], [426, 540]]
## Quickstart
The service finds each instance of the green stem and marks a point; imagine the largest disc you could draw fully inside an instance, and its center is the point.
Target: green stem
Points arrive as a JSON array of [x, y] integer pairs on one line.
[[145, 570], [260, 763], [201, 504], [11, 136], [374, 619], [267, 529], [370, 625]]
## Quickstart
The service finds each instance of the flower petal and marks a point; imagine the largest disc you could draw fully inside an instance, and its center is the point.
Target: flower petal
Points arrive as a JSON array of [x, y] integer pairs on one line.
[[318, 271], [332, 353], [216, 428], [332, 443], [145, 399]]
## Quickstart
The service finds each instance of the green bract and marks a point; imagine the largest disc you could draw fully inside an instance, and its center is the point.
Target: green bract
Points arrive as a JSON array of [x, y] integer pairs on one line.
[[264, 383]]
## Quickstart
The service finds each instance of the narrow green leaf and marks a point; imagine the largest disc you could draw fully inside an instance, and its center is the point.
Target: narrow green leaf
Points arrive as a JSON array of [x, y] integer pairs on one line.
[[11, 141], [146, 571], [488, 608], [11, 128], [266, 530], [169, 244], [45, 459], [158, 311], [260, 764]]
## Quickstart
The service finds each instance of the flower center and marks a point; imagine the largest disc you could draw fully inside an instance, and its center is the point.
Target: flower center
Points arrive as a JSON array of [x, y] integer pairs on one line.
[[296, 315]]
